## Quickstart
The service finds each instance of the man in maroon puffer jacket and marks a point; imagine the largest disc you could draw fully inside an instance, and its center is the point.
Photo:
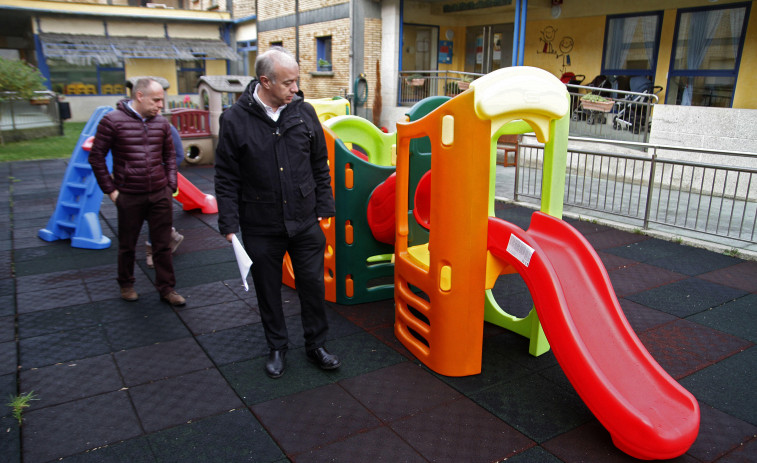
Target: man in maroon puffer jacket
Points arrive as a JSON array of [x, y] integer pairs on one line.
[[142, 184]]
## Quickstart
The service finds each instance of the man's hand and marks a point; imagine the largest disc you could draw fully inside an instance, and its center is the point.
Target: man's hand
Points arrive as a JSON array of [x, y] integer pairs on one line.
[[228, 237], [113, 195]]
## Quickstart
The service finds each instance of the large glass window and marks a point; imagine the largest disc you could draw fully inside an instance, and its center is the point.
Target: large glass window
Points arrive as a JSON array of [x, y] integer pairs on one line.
[[188, 73], [631, 44], [73, 79], [706, 55]]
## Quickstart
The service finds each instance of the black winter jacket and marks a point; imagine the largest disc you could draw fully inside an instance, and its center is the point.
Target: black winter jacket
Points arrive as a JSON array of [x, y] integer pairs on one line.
[[144, 159], [271, 177]]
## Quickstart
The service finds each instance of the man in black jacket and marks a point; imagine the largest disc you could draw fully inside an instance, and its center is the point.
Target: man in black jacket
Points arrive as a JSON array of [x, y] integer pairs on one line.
[[142, 184], [272, 181]]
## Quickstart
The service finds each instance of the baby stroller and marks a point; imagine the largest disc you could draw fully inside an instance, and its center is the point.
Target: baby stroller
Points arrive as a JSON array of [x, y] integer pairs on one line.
[[570, 78], [591, 117], [633, 111]]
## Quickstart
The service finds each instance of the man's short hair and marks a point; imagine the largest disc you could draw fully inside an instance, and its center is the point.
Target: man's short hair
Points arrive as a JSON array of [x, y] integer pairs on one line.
[[142, 84], [265, 62]]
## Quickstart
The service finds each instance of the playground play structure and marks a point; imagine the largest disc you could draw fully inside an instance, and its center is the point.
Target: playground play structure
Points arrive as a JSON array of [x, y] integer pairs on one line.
[[76, 212], [424, 232], [442, 279]]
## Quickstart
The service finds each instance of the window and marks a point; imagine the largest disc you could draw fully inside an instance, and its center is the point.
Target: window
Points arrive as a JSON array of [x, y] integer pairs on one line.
[[73, 79], [323, 54], [188, 73], [631, 44], [277, 44], [706, 55]]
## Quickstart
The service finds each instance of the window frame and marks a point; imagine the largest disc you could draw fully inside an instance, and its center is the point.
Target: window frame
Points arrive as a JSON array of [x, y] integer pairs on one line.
[[734, 73], [655, 46], [324, 51], [180, 69]]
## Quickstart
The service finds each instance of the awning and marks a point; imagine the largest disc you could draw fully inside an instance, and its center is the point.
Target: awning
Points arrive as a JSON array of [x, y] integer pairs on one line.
[[94, 49]]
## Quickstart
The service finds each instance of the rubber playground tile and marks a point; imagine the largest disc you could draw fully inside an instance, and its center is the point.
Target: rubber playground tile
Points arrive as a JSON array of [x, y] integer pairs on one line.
[[641, 317], [219, 317], [45, 281], [208, 294], [7, 389], [235, 285], [7, 328], [534, 455], [587, 227], [7, 287], [135, 450], [728, 385], [589, 442], [535, 406], [613, 262], [135, 332], [682, 347], [204, 257], [496, 370], [743, 275], [64, 382], [738, 317], [611, 238], [719, 434], [65, 262], [63, 347], [515, 347], [10, 439], [313, 418], [249, 380], [380, 444], [52, 298], [193, 276], [228, 437], [650, 249], [399, 391], [695, 261], [640, 277], [234, 344], [159, 361], [73, 427], [387, 337], [686, 297], [177, 400], [461, 431], [361, 353], [58, 320], [369, 315], [7, 305]]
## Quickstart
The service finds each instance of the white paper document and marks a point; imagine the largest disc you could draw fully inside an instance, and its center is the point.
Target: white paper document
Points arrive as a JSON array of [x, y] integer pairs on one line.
[[243, 260]]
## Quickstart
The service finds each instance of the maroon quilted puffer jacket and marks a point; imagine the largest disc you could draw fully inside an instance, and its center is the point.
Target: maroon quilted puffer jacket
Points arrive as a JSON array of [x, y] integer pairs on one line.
[[143, 154]]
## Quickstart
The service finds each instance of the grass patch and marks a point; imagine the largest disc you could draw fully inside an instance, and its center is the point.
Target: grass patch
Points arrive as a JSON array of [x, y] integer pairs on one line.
[[19, 403], [44, 148]]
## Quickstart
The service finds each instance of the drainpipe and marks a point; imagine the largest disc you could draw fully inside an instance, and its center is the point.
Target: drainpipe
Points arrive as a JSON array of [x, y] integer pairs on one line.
[[297, 30], [350, 82]]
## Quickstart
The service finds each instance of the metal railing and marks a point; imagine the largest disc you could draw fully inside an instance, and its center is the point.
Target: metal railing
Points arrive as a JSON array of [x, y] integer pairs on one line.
[[40, 112], [417, 85], [704, 197], [624, 116]]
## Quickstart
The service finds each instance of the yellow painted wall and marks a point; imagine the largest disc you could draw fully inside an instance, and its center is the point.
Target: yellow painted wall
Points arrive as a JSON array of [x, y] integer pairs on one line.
[[665, 51], [153, 67], [586, 53], [458, 48], [745, 96], [215, 67]]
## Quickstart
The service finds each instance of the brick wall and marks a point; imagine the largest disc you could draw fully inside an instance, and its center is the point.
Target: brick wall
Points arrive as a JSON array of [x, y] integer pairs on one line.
[[270, 10], [307, 5]]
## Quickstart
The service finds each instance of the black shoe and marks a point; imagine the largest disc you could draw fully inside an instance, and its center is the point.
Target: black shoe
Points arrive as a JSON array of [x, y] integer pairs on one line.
[[274, 366], [323, 359]]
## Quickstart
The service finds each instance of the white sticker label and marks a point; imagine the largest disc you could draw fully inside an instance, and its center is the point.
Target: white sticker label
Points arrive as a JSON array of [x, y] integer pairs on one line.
[[520, 250]]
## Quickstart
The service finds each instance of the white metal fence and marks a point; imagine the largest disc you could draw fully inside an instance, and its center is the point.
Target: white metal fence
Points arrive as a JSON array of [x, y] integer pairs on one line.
[[650, 187]]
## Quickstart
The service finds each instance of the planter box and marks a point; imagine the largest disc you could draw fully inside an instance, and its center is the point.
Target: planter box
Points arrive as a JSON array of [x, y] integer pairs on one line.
[[602, 106]]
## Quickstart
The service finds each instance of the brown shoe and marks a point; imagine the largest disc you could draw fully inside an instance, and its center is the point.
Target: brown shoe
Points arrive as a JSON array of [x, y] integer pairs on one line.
[[174, 299], [129, 294], [148, 256], [176, 239]]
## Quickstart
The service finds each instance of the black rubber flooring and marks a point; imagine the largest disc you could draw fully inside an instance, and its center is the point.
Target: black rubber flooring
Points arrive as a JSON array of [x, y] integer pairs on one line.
[[143, 382]]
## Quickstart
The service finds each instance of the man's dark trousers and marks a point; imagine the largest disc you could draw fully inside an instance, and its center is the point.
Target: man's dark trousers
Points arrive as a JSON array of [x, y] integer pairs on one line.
[[306, 251], [133, 209]]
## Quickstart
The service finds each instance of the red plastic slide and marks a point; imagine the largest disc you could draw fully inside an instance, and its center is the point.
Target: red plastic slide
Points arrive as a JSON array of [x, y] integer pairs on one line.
[[191, 197], [648, 414]]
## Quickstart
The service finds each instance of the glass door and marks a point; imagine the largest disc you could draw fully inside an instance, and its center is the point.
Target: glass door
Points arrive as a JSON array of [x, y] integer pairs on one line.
[[488, 47]]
